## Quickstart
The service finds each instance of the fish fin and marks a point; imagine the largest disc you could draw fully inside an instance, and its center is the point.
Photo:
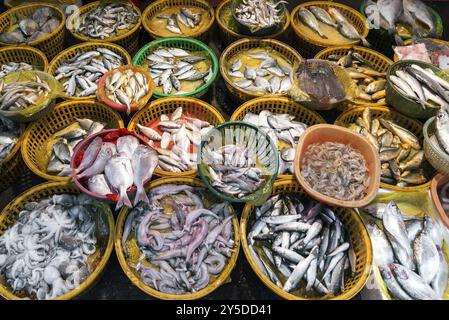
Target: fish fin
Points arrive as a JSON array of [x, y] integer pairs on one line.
[[141, 195], [365, 42], [123, 199]]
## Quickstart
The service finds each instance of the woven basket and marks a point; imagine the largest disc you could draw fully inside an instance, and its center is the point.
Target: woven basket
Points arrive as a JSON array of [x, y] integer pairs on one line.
[[85, 47], [134, 276], [228, 34], [26, 54], [155, 8], [188, 44], [357, 232], [437, 157], [309, 47], [128, 40], [191, 106], [105, 238], [278, 105], [11, 168], [39, 133], [50, 44], [238, 94], [414, 126]]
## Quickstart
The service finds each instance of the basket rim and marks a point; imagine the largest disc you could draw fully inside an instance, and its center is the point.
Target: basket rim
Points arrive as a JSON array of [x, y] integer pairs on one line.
[[14, 9], [221, 279], [270, 42], [246, 213], [210, 108], [32, 127], [223, 25], [372, 52], [439, 151], [145, 17], [105, 258], [205, 47], [16, 148], [337, 5], [91, 6], [81, 47], [205, 179], [436, 181], [386, 110], [37, 52]]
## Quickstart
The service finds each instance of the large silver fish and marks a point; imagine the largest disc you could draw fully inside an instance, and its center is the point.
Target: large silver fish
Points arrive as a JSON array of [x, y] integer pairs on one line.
[[144, 161], [119, 173]]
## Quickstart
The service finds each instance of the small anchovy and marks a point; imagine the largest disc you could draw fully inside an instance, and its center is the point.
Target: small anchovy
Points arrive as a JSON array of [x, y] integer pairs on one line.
[[260, 13]]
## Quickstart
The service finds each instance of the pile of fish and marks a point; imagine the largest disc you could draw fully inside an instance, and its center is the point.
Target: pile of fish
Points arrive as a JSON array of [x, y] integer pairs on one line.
[[281, 128], [9, 67], [41, 23], [402, 17], [233, 169], [81, 73], [301, 246], [126, 87], [170, 68], [113, 168], [444, 197], [400, 152], [441, 136], [65, 142], [408, 252], [422, 85], [184, 16], [107, 20], [183, 241], [370, 82], [425, 50], [260, 13], [22, 94], [336, 170], [176, 138], [313, 15], [269, 76], [9, 135], [45, 253]]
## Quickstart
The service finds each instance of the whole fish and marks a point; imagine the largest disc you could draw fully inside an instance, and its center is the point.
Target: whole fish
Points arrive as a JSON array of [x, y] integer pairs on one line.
[[299, 271], [118, 171], [416, 13], [412, 283], [98, 184], [383, 253], [345, 27], [322, 16], [107, 151], [439, 282], [127, 145], [392, 284], [144, 161], [309, 19], [90, 154], [442, 129], [426, 256]]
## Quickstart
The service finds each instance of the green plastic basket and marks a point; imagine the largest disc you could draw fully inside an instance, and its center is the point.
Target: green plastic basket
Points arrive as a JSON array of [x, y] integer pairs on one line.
[[267, 153], [189, 44]]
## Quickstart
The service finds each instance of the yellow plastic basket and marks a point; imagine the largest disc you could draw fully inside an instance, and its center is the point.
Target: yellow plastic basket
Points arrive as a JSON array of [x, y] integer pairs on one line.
[[237, 47], [414, 126], [192, 106], [134, 276], [228, 35], [278, 105], [85, 47], [357, 232], [50, 44], [26, 54], [309, 47], [38, 134], [155, 8], [10, 215], [11, 167], [128, 40]]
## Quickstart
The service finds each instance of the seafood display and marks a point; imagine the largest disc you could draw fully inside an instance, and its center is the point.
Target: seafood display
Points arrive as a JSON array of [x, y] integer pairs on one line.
[[183, 19], [441, 136], [40, 24], [335, 170], [184, 240], [402, 17], [425, 50], [112, 165], [79, 75], [285, 133], [14, 67], [371, 83], [261, 71], [301, 246], [65, 141], [45, 254], [400, 151], [259, 13], [176, 138], [22, 94], [330, 24], [107, 20], [408, 253], [421, 85], [178, 71], [126, 87], [9, 136]]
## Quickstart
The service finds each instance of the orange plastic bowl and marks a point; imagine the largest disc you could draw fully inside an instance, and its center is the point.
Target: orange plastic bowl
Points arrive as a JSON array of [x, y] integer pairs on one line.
[[437, 182]]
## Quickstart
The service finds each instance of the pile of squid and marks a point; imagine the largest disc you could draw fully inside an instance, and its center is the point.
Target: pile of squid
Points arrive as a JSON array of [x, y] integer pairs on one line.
[[183, 242], [45, 253]]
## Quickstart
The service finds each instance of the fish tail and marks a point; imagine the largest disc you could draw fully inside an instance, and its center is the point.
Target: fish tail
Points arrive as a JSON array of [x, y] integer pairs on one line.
[[141, 195], [365, 42], [123, 199]]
